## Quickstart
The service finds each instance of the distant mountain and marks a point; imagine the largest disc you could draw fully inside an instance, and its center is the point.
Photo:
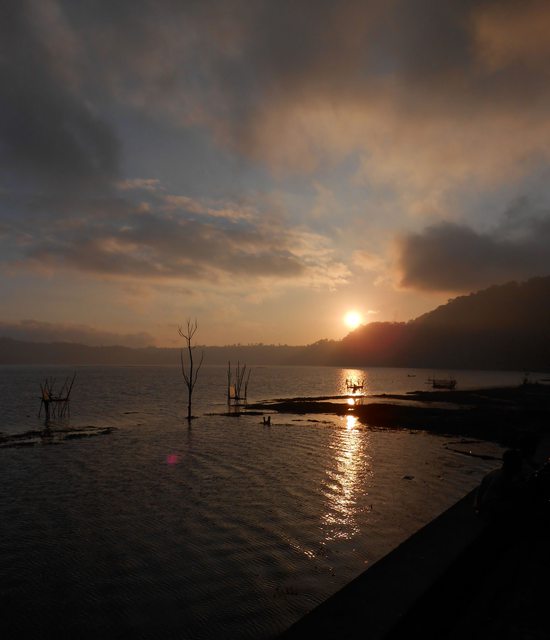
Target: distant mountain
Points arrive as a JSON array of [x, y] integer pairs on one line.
[[69, 354], [514, 305], [502, 327]]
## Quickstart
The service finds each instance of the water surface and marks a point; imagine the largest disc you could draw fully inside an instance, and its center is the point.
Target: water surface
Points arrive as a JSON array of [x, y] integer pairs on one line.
[[227, 529]]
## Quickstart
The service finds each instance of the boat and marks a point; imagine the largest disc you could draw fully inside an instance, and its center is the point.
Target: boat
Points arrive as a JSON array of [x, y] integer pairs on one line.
[[354, 385], [442, 383]]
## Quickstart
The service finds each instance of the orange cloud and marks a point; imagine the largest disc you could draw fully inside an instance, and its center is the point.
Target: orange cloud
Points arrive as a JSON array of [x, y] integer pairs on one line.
[[508, 34]]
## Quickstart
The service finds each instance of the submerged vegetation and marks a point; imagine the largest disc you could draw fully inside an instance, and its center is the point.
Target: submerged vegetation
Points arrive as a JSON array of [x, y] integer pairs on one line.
[[53, 434], [190, 371]]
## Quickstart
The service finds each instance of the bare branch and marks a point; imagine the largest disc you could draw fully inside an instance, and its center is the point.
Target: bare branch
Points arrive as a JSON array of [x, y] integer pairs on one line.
[[191, 373]]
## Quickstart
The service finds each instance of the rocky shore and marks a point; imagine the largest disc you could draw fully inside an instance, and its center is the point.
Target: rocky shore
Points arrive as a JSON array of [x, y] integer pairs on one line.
[[498, 414]]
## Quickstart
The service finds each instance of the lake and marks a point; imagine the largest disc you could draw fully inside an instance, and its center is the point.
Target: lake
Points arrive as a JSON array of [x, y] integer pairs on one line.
[[226, 529]]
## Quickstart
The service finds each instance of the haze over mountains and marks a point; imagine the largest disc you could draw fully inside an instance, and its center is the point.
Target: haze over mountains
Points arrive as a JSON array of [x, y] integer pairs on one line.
[[502, 327]]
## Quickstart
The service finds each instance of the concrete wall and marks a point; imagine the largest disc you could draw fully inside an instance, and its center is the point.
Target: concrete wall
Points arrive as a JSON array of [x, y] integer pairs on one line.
[[419, 587]]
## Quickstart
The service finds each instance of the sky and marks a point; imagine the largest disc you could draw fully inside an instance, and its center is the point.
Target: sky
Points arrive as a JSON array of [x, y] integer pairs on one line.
[[265, 166]]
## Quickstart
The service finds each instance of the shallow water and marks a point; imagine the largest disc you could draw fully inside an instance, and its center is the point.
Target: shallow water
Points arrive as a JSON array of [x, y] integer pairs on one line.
[[227, 529]]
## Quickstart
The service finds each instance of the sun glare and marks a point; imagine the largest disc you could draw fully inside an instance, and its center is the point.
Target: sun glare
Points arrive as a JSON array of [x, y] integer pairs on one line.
[[352, 319]]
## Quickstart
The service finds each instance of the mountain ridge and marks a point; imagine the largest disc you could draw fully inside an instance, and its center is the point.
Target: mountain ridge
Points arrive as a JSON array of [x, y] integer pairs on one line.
[[502, 327]]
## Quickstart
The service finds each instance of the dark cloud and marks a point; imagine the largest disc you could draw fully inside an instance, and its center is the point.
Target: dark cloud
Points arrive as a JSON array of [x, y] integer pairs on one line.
[[456, 258], [178, 245], [412, 84], [232, 61], [51, 135], [61, 67], [250, 71], [36, 331]]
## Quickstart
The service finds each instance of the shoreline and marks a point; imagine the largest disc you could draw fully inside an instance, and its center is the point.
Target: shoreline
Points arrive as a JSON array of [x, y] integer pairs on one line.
[[499, 414], [460, 575]]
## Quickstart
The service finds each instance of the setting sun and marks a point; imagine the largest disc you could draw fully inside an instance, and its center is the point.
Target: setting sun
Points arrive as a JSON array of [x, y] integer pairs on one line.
[[352, 319]]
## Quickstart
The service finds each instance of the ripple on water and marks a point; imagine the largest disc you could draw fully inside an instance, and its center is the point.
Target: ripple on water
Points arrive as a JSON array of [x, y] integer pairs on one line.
[[227, 529]]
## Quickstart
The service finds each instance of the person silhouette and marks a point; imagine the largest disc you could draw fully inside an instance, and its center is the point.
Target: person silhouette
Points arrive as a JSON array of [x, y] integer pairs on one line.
[[502, 491], [527, 446]]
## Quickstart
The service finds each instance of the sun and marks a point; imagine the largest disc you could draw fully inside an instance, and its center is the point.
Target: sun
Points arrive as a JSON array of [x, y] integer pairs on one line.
[[353, 319]]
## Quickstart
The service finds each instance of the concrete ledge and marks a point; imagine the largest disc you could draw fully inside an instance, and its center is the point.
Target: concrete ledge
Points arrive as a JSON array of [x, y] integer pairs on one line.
[[419, 585]]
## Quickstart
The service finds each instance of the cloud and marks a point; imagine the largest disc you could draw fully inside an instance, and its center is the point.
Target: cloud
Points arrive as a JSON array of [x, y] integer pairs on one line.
[[427, 93], [136, 184], [456, 258], [212, 209], [510, 34], [368, 261], [51, 134], [180, 239], [36, 331]]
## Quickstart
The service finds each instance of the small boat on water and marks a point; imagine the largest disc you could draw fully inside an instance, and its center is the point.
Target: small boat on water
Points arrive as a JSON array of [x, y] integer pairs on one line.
[[354, 385], [442, 383]]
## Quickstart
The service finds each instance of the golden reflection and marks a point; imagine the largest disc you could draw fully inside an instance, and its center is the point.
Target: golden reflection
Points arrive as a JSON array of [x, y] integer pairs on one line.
[[345, 481]]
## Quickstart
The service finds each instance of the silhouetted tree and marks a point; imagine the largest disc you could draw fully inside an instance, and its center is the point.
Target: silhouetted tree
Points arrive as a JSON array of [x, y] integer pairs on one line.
[[190, 375]]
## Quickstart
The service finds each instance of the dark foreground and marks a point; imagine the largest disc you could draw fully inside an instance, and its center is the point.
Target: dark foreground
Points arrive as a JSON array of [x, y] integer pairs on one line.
[[459, 577], [510, 600], [454, 579]]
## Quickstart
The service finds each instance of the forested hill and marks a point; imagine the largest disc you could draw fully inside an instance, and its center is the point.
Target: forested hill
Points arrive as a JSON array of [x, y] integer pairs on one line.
[[68, 353], [502, 327], [523, 306]]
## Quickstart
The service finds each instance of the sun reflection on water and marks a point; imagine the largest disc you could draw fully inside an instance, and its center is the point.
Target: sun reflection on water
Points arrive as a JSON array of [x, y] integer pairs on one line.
[[345, 480]]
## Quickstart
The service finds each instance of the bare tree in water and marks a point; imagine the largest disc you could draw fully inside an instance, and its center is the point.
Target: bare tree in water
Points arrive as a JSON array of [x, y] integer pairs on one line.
[[191, 372]]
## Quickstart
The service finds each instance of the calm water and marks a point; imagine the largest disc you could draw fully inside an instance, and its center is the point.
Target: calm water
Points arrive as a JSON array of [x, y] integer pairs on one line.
[[228, 529]]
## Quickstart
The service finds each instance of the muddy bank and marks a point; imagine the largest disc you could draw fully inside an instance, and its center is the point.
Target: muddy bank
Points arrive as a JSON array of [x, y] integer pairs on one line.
[[499, 414], [51, 435]]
